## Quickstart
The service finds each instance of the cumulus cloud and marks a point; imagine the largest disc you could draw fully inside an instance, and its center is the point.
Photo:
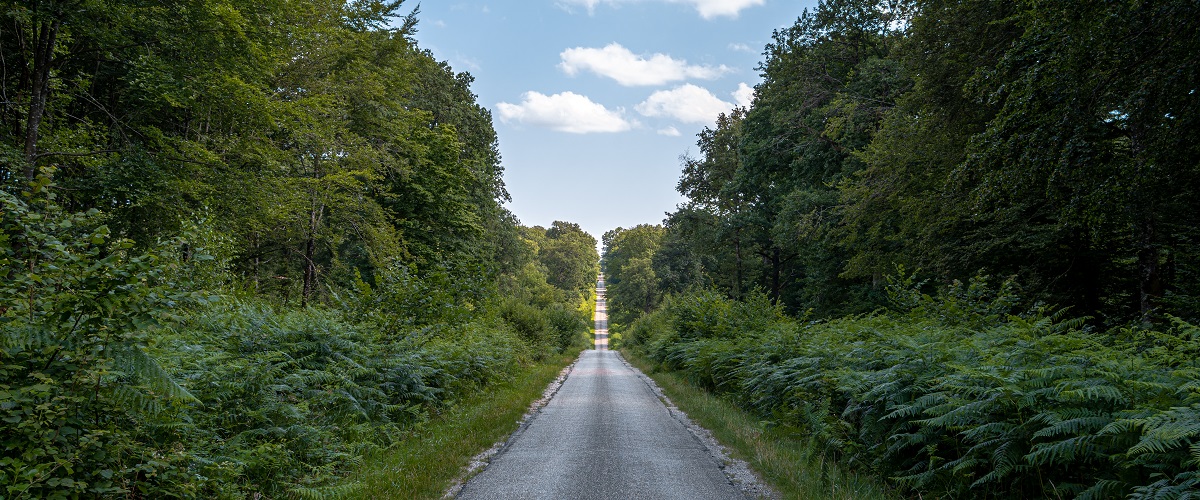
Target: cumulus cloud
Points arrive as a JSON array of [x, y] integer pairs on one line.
[[629, 69], [669, 131], [564, 112], [740, 47], [744, 95], [707, 9], [686, 103]]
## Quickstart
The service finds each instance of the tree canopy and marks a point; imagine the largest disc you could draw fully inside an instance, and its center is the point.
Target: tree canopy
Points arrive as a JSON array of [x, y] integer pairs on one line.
[[1045, 141]]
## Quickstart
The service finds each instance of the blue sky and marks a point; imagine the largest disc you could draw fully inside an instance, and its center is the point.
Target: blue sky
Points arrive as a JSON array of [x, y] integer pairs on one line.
[[595, 100]]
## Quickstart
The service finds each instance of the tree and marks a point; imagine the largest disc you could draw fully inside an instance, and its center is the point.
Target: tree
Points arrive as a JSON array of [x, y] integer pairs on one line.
[[570, 258], [632, 284]]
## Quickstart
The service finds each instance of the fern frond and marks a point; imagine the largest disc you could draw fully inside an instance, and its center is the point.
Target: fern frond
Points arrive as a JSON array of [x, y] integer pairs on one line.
[[1093, 390], [1063, 452], [146, 371], [27, 338], [135, 400], [1074, 426], [1104, 488], [1166, 436], [324, 492]]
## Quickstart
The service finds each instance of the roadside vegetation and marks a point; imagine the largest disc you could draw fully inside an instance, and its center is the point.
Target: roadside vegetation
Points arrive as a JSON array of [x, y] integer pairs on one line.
[[425, 463], [956, 395], [950, 245], [247, 249], [785, 457]]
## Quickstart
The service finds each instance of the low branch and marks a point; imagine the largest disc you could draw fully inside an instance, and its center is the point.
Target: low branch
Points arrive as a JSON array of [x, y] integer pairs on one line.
[[89, 153]]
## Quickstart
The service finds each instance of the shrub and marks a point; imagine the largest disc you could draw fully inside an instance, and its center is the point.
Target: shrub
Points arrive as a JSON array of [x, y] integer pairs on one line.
[[79, 396], [956, 397]]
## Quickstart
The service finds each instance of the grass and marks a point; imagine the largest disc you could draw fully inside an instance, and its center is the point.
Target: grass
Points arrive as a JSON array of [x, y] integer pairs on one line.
[[424, 465], [787, 461]]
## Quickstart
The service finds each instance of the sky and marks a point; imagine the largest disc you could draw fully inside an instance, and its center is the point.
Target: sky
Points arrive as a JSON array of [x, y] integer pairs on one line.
[[594, 101]]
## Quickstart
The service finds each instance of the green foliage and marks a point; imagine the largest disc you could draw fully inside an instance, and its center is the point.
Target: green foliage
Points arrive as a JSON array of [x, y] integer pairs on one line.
[[293, 400], [118, 378], [567, 255], [631, 282], [178, 177], [78, 311], [1046, 141], [557, 326], [956, 396]]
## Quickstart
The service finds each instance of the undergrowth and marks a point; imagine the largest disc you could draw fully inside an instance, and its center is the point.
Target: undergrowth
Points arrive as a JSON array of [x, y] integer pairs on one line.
[[955, 395], [784, 457], [121, 377]]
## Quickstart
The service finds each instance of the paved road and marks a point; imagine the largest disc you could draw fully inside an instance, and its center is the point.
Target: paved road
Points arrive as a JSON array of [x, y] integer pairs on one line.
[[604, 435], [601, 316]]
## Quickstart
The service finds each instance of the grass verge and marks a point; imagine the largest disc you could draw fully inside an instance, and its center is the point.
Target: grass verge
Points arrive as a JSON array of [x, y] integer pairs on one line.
[[424, 465], [787, 461]]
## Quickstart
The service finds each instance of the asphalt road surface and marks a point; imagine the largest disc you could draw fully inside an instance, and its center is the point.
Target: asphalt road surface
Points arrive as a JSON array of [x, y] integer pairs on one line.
[[601, 316], [604, 435]]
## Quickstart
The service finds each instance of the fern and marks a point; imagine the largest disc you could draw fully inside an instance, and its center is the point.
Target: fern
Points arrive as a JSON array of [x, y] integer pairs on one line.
[[324, 492], [1173, 429], [147, 372]]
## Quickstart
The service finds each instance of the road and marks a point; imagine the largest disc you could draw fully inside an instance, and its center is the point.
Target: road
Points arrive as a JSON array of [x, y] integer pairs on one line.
[[601, 316], [604, 435]]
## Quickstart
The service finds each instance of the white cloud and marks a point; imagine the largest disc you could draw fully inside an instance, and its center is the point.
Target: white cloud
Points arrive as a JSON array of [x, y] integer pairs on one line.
[[629, 69], [564, 112], [744, 95], [686, 103], [740, 47], [669, 131], [707, 9]]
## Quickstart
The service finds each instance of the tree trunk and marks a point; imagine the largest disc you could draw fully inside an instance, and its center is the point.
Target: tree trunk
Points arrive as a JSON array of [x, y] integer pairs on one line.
[[39, 91], [1150, 279], [776, 270], [737, 264], [1151, 282], [315, 214], [310, 269]]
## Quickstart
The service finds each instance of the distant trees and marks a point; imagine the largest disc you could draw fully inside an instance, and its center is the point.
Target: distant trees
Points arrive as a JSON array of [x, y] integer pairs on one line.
[[568, 255], [631, 282]]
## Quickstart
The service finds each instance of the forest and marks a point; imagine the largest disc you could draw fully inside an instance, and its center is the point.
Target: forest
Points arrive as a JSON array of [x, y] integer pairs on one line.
[[244, 245], [953, 243]]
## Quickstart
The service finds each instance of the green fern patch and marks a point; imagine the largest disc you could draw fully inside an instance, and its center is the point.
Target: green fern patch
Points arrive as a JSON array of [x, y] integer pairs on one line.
[[952, 398]]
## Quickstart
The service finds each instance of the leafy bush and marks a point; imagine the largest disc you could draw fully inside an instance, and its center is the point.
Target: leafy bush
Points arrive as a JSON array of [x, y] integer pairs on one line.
[[78, 393], [556, 326], [119, 378], [566, 324], [958, 397]]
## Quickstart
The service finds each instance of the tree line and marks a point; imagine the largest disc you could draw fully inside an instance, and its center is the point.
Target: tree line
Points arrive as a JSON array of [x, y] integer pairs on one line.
[[951, 243], [244, 245], [1050, 142]]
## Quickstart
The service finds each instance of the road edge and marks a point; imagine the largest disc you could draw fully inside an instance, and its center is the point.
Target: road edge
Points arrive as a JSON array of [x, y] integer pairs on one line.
[[737, 471], [480, 462]]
